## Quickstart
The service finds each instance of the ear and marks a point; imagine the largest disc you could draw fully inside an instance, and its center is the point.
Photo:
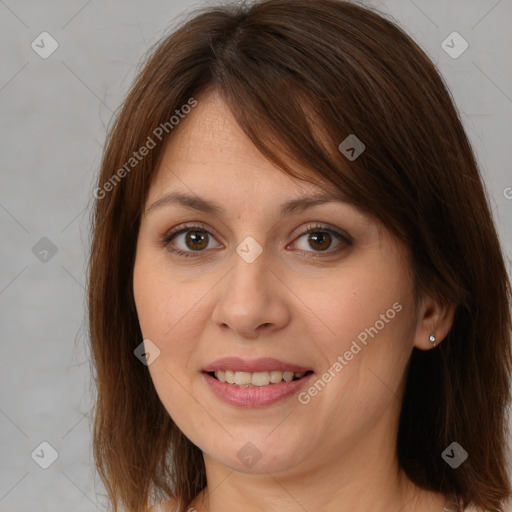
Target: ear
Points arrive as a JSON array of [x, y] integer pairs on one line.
[[433, 317]]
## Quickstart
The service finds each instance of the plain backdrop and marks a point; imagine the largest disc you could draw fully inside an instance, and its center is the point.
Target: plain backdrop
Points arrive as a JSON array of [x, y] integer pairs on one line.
[[54, 116]]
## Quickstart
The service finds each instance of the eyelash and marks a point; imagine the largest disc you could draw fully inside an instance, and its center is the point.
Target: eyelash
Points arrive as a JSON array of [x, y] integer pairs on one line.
[[310, 228]]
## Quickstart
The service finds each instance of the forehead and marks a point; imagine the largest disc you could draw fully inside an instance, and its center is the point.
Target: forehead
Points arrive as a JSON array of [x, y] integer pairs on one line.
[[209, 149]]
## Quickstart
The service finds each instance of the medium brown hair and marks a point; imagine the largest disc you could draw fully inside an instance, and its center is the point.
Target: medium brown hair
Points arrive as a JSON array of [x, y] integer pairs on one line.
[[288, 70]]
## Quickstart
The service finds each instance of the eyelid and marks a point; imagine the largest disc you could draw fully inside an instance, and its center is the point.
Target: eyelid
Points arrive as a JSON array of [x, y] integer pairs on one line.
[[322, 226], [188, 226]]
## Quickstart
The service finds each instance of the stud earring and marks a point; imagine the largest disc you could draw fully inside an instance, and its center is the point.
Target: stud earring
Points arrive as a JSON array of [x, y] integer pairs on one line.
[[432, 339]]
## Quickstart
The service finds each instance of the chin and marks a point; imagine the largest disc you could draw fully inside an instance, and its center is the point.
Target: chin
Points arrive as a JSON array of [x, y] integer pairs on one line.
[[257, 455]]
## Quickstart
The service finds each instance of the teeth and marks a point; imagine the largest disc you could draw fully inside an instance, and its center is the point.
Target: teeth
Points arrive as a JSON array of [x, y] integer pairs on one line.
[[242, 378], [276, 376], [258, 379], [287, 376]]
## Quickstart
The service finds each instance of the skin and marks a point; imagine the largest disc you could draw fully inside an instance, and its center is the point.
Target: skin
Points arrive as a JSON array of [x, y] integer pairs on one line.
[[337, 452]]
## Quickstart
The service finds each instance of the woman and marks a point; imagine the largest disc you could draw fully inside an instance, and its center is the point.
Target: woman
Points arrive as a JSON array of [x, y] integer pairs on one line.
[[297, 295]]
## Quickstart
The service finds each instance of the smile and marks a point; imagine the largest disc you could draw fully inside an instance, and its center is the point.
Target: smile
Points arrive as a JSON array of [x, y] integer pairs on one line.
[[256, 379]]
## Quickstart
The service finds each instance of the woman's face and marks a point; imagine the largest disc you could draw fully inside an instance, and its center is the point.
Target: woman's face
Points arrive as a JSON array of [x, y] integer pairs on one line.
[[226, 271]]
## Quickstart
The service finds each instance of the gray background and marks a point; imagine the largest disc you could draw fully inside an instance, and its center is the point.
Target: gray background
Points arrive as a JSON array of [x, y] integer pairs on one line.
[[55, 112]]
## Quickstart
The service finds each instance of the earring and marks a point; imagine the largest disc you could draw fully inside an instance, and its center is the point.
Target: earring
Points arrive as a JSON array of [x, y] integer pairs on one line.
[[432, 339]]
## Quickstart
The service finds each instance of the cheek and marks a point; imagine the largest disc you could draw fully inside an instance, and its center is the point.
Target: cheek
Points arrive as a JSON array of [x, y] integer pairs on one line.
[[364, 354], [172, 313], [167, 316], [364, 329], [360, 303], [163, 301]]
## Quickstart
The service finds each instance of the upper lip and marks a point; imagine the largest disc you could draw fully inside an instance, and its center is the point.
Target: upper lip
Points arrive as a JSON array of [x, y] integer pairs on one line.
[[263, 364]]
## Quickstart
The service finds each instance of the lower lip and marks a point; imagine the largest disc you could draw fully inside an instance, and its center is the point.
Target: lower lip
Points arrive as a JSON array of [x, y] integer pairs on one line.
[[254, 396]]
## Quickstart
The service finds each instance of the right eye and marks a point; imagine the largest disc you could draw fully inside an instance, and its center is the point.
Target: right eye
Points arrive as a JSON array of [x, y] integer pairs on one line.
[[188, 240]]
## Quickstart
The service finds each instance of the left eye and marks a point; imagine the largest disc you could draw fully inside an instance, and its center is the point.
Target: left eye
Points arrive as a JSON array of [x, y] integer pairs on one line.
[[320, 240]]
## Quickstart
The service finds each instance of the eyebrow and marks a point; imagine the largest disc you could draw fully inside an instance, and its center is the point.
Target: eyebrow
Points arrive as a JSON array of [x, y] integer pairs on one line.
[[194, 202]]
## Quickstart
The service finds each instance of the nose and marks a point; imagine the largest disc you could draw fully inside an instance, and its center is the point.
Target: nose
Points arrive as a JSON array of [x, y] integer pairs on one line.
[[252, 300]]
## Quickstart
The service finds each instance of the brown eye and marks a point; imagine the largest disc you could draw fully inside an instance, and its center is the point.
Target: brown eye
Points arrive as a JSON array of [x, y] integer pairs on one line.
[[196, 240], [190, 241], [320, 240]]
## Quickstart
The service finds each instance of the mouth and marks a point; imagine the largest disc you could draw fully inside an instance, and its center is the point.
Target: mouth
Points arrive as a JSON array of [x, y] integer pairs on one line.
[[255, 383], [260, 372], [257, 379]]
